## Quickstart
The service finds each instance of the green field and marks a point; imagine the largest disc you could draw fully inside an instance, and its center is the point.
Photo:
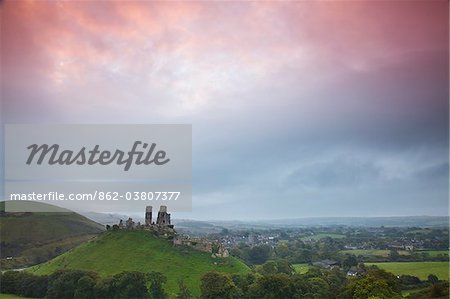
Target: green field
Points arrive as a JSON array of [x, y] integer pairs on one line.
[[419, 269], [373, 252], [9, 296], [114, 252], [301, 268], [321, 236]]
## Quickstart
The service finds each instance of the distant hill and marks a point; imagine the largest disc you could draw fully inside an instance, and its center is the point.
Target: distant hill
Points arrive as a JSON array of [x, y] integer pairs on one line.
[[114, 252], [107, 218], [398, 221], [196, 227], [29, 238], [193, 227]]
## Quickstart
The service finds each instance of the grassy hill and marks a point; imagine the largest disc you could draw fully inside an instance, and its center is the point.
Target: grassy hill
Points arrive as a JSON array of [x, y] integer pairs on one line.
[[29, 238], [114, 252]]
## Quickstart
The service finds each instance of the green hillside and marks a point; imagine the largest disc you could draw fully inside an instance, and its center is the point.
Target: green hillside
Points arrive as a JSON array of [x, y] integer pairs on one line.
[[114, 252], [29, 238]]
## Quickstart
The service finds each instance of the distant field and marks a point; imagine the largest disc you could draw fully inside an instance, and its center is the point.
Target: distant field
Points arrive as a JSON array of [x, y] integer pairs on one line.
[[321, 236], [9, 296], [374, 252], [419, 269], [301, 268]]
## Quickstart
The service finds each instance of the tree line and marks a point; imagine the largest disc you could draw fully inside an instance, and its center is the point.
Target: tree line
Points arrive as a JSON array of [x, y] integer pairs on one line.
[[273, 279], [83, 284]]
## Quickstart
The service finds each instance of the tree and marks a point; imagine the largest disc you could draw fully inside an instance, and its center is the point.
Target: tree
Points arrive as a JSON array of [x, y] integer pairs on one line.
[[243, 283], [433, 278], [393, 255], [349, 261], [217, 285], [300, 285], [129, 285], [313, 272], [436, 290], [304, 255], [259, 254], [85, 287], [318, 288], [336, 279], [10, 282], [409, 280], [33, 286], [278, 266], [283, 266], [183, 291], [63, 283], [392, 281], [157, 280], [439, 290], [274, 286], [282, 250], [268, 268], [104, 288], [370, 285], [23, 284]]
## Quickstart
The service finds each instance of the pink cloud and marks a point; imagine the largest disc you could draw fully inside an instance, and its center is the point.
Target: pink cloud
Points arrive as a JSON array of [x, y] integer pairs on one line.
[[195, 52]]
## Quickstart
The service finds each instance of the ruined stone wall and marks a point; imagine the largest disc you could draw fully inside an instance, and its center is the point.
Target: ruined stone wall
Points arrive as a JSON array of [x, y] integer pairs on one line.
[[216, 249]]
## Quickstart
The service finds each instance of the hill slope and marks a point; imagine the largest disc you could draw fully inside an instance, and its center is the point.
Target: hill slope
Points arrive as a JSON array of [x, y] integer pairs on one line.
[[114, 252], [33, 237]]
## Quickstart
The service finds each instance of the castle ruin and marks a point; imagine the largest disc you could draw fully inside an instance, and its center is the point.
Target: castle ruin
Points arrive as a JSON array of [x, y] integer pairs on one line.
[[163, 228], [163, 217], [209, 246], [162, 222]]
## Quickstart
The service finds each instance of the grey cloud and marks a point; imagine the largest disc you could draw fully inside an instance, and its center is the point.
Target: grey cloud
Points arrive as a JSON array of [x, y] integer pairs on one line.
[[339, 172]]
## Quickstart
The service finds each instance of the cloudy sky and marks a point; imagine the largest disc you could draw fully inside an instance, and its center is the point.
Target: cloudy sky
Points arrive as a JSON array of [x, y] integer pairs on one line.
[[299, 109]]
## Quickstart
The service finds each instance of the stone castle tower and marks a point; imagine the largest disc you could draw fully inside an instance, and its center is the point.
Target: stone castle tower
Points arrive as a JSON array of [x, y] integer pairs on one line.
[[163, 217], [148, 215]]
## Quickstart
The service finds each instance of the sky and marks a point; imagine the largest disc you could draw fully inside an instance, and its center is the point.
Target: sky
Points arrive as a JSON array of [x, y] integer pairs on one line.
[[298, 109]]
